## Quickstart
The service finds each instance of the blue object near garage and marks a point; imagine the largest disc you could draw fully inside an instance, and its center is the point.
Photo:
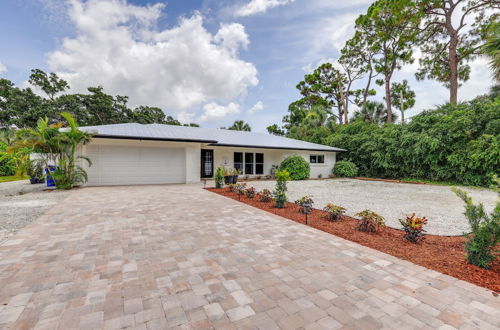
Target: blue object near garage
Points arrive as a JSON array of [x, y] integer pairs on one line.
[[50, 180]]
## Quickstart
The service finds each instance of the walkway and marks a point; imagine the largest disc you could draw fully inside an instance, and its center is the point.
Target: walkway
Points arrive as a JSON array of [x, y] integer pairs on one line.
[[155, 257]]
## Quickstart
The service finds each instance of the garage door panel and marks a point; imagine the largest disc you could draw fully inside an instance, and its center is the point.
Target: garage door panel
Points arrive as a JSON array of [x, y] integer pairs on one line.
[[121, 165]]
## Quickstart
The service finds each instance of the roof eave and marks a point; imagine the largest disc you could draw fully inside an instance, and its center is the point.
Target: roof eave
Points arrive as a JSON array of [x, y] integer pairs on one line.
[[146, 138], [274, 147]]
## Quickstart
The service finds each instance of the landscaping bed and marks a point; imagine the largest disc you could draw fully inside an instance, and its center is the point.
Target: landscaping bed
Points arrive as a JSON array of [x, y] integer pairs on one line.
[[444, 254]]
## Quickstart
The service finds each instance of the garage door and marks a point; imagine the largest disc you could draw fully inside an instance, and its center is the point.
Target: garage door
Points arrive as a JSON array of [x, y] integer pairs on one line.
[[122, 165]]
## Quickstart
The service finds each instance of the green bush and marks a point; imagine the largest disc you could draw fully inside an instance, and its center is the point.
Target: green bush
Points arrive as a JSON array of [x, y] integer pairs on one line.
[[297, 166], [345, 169], [219, 177], [481, 243], [279, 193]]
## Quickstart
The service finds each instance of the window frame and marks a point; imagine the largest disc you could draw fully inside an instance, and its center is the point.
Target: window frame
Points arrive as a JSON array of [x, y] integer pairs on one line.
[[315, 159], [242, 166]]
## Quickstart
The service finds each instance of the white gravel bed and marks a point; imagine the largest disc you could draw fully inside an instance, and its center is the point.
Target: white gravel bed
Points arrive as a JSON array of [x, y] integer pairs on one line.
[[21, 203], [391, 200]]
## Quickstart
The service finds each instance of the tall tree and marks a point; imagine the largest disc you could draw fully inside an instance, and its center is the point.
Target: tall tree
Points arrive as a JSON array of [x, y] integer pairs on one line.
[[492, 49], [325, 83], [403, 97], [450, 37], [240, 125], [274, 129], [390, 28], [357, 61], [51, 84]]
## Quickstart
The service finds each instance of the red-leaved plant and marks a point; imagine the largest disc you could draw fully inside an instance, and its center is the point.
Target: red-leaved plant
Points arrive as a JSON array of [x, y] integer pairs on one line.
[[413, 227], [370, 221]]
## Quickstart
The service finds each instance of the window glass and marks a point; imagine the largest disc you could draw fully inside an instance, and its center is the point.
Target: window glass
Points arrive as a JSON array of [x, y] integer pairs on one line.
[[259, 158], [249, 163], [312, 159], [321, 159], [259, 163], [238, 161]]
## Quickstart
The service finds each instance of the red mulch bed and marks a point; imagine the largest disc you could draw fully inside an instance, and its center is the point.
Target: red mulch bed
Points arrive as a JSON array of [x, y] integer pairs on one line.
[[444, 254]]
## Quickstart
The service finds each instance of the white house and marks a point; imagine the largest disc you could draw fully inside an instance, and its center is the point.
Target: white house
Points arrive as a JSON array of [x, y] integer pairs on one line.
[[124, 154]]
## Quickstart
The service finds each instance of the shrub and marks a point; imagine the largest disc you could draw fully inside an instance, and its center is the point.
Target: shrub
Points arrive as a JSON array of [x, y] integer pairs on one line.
[[265, 196], [370, 221], [240, 188], [305, 203], [297, 166], [279, 193], [231, 187], [334, 211], [250, 192], [481, 243], [220, 172], [413, 227], [345, 169]]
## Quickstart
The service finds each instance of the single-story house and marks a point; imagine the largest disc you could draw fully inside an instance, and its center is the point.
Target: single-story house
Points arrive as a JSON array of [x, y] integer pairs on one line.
[[124, 154]]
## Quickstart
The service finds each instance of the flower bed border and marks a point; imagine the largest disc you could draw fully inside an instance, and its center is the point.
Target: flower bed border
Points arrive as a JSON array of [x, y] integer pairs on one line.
[[444, 254]]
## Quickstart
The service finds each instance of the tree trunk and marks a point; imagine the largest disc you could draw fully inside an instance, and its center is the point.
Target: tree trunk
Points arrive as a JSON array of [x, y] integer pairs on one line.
[[453, 71], [343, 97], [367, 89], [388, 100]]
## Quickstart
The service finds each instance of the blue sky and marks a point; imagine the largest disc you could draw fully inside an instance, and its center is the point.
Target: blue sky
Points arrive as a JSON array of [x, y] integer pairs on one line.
[[208, 61]]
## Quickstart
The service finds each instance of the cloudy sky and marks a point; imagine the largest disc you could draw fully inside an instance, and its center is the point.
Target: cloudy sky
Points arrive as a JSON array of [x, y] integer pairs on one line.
[[207, 61]]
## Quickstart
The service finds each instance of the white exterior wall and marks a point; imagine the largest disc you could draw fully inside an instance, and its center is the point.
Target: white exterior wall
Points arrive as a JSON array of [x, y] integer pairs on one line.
[[224, 156]]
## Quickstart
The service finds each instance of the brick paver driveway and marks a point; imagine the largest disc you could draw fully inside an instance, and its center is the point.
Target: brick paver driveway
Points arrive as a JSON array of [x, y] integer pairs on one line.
[[167, 256]]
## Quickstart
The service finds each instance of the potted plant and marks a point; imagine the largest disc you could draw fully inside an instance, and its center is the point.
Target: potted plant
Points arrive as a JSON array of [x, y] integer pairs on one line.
[[35, 173], [219, 177], [230, 176]]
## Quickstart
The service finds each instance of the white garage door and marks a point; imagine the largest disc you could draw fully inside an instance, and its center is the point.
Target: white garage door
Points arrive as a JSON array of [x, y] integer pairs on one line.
[[122, 165]]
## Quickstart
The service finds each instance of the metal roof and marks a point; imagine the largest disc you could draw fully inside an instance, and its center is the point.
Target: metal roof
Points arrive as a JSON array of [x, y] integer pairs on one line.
[[211, 136]]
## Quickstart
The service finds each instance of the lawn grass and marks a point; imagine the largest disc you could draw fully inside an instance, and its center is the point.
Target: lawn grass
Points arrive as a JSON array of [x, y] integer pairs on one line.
[[12, 178]]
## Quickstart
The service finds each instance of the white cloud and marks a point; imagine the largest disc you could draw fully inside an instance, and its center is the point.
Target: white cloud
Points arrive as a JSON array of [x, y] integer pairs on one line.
[[256, 107], [118, 45], [214, 111], [260, 6], [232, 36], [3, 68]]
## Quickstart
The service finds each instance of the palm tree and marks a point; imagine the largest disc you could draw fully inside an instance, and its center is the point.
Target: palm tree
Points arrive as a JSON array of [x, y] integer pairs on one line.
[[56, 146], [240, 125], [492, 49], [373, 112]]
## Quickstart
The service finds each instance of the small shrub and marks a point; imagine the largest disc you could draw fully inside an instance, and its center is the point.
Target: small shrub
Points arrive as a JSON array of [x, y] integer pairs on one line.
[[265, 196], [297, 166], [279, 193], [345, 169], [305, 203], [250, 192], [334, 211], [219, 176], [240, 188], [231, 187], [370, 221], [320, 176], [481, 243], [279, 198], [413, 227]]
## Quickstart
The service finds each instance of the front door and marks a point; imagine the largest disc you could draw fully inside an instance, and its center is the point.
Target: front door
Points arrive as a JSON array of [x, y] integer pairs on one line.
[[207, 163]]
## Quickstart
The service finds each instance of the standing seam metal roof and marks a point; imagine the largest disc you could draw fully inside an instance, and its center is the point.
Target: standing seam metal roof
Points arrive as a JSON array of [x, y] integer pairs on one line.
[[212, 136]]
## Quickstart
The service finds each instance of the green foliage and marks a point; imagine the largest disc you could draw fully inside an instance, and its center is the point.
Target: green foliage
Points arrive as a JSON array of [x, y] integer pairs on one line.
[[279, 193], [240, 125], [219, 177], [334, 211], [23, 108], [56, 146], [413, 227], [345, 169], [454, 143], [297, 167], [370, 221], [373, 112], [274, 129], [265, 196], [250, 192], [492, 48], [305, 203], [482, 242], [240, 188], [403, 97]]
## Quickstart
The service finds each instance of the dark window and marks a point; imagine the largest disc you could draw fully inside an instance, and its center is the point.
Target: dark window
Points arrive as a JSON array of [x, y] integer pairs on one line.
[[317, 159], [238, 161], [259, 163], [249, 163]]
